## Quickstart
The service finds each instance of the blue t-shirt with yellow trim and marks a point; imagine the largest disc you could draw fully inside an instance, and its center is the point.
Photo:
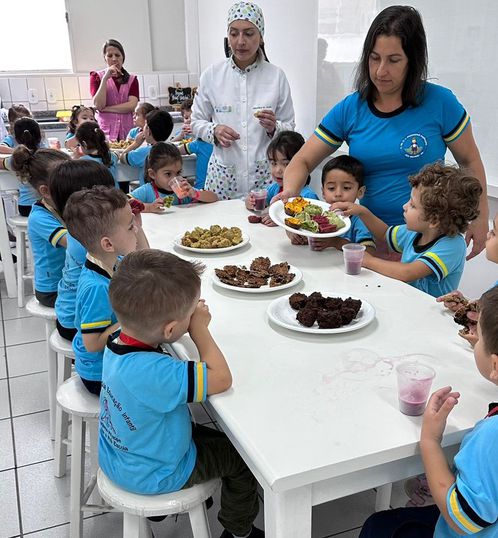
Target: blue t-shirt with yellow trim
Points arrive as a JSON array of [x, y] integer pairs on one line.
[[472, 502], [392, 146], [145, 441], [93, 314], [445, 256], [45, 231], [147, 195], [203, 152], [137, 158], [113, 167], [65, 304]]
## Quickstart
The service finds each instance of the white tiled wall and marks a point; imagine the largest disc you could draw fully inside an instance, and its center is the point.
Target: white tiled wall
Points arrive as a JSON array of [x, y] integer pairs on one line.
[[72, 89]]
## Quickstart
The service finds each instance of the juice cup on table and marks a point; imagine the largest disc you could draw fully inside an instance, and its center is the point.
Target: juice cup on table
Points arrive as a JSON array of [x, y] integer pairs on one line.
[[259, 199], [179, 186], [414, 385], [353, 256]]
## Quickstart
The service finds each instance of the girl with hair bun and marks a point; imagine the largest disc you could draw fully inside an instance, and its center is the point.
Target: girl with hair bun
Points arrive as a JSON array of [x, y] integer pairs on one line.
[[28, 135], [46, 230], [93, 145]]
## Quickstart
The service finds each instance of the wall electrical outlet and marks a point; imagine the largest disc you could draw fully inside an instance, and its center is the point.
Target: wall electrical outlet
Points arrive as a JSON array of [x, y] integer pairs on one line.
[[51, 96], [33, 96], [152, 92]]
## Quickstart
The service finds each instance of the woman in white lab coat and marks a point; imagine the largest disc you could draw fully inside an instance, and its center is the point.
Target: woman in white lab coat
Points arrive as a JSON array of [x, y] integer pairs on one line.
[[241, 103]]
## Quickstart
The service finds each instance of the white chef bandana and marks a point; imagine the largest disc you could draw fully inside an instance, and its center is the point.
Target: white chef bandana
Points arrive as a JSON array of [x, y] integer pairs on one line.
[[247, 11]]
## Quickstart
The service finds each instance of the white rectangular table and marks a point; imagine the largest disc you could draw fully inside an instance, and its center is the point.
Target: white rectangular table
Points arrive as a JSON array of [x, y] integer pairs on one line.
[[316, 416]]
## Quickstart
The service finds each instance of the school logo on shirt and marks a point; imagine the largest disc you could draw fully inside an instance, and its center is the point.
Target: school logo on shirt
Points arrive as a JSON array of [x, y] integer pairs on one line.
[[413, 145]]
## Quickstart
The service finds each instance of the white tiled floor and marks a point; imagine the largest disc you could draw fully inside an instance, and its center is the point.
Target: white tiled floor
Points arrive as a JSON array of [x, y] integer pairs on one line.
[[36, 504]]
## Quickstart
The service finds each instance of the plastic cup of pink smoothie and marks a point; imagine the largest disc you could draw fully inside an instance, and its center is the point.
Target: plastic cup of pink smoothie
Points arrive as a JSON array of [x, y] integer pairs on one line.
[[176, 185], [414, 385], [259, 199], [353, 256]]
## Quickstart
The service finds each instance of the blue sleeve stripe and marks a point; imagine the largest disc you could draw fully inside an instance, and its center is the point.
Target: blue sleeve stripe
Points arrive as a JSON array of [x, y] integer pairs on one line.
[[329, 138], [458, 130], [469, 511], [458, 514]]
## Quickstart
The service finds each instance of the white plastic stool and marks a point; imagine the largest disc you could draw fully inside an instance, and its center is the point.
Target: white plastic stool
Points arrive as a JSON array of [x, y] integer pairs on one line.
[[48, 314], [20, 226], [84, 408], [138, 507], [63, 351]]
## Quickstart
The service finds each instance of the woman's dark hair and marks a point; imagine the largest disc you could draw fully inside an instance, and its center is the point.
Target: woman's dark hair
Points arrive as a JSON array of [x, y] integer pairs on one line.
[[160, 124], [115, 43], [34, 167], [405, 23], [75, 112], [17, 111], [288, 143], [348, 164], [28, 133], [72, 176], [160, 155], [91, 137]]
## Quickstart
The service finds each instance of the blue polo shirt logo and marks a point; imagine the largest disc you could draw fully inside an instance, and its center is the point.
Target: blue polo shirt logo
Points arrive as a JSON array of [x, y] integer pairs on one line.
[[413, 145]]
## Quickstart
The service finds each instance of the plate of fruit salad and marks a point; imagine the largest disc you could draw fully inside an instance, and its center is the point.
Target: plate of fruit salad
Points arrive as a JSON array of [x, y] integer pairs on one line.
[[311, 218]]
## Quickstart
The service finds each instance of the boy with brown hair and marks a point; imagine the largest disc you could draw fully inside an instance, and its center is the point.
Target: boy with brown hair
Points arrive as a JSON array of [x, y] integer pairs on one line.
[[147, 443], [444, 200], [102, 221]]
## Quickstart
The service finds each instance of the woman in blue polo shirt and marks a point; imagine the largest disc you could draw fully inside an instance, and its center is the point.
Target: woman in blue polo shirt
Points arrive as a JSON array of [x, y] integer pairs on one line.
[[395, 123]]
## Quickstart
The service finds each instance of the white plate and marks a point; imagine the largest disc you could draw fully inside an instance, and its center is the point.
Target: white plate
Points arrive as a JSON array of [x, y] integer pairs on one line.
[[277, 214], [263, 289], [281, 313], [178, 243]]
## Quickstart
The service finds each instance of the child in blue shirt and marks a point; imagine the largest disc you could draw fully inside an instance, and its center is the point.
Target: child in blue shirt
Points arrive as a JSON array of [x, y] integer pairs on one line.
[[93, 145], [102, 221], [158, 127], [279, 153], [46, 229], [444, 200], [141, 111], [79, 115], [466, 496], [145, 391], [163, 164], [26, 133], [342, 181], [66, 178], [9, 143]]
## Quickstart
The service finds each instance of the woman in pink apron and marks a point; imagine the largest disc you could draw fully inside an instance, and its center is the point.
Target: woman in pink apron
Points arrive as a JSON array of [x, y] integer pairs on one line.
[[115, 93]]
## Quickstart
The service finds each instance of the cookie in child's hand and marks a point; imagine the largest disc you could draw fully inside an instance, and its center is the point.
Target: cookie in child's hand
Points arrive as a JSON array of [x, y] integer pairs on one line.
[[462, 318]]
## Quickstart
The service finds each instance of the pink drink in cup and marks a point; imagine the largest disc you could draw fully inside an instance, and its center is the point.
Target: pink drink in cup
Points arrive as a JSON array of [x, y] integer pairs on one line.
[[259, 199], [177, 184], [414, 385], [353, 256]]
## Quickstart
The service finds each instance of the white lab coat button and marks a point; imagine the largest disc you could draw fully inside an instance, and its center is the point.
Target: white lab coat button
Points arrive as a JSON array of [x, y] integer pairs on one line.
[[244, 148], [244, 124]]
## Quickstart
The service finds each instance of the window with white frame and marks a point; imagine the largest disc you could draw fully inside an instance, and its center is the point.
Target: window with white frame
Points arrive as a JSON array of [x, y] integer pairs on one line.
[[34, 36]]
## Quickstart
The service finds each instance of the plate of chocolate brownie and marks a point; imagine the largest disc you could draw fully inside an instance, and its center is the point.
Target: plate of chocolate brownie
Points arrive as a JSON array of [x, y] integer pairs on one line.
[[311, 218], [258, 276], [325, 312]]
